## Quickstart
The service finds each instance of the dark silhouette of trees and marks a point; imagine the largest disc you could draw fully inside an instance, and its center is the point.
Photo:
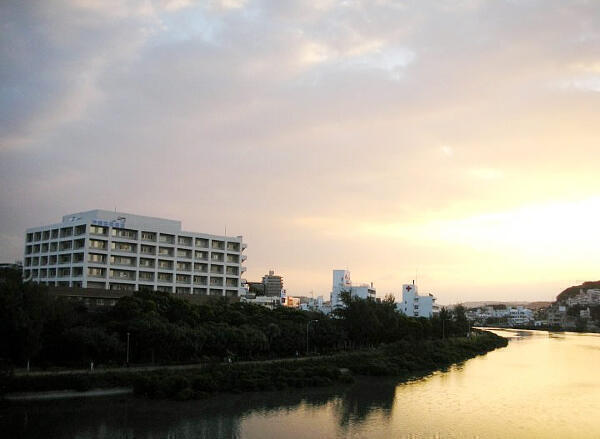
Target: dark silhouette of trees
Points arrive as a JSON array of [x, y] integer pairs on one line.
[[166, 329]]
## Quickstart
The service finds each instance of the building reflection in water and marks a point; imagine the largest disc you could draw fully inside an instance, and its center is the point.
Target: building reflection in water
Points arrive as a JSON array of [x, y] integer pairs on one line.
[[218, 417]]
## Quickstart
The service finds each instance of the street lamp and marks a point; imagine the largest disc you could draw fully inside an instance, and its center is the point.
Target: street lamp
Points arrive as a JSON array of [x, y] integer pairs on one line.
[[128, 349], [307, 325]]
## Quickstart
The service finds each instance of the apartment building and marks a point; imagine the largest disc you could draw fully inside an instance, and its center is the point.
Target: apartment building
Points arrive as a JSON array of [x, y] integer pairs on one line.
[[122, 251]]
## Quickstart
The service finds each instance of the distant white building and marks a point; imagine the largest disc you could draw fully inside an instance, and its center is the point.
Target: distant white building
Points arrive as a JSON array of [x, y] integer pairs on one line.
[[585, 297], [520, 316], [414, 305], [342, 282]]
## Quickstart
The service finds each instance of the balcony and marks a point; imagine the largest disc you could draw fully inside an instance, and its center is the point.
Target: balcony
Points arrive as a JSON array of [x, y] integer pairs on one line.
[[124, 247], [96, 258], [231, 271], [233, 246], [165, 278], [97, 244], [216, 281], [166, 239], [122, 275], [165, 251], [201, 256], [97, 272], [201, 268], [149, 236], [148, 249], [244, 257], [218, 245], [183, 279], [216, 269], [66, 232], [185, 241], [148, 263], [125, 234], [201, 242], [122, 260], [146, 276], [233, 259], [98, 230], [181, 253], [184, 266], [165, 265], [200, 280]]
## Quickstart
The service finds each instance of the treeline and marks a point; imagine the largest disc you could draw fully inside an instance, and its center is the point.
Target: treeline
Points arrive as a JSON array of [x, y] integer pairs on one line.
[[403, 359], [47, 331]]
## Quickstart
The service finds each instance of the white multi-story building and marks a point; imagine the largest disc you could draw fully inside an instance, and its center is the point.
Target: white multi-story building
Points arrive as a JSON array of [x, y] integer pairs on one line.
[[414, 305], [520, 315], [342, 282], [585, 297], [121, 251]]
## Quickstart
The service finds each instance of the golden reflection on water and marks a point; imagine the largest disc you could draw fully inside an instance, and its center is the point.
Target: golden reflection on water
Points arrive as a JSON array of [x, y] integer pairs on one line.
[[543, 385]]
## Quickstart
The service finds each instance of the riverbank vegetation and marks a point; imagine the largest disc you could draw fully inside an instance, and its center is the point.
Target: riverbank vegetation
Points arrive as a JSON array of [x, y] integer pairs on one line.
[[365, 336], [404, 359], [53, 332]]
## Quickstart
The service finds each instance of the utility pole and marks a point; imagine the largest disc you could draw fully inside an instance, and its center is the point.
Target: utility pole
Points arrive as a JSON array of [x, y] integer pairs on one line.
[[443, 328], [127, 350], [307, 325]]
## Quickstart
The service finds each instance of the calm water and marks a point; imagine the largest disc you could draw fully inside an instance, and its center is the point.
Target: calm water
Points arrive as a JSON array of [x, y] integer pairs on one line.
[[543, 385]]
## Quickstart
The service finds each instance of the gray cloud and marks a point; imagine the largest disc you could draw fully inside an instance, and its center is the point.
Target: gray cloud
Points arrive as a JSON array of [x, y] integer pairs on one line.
[[256, 113]]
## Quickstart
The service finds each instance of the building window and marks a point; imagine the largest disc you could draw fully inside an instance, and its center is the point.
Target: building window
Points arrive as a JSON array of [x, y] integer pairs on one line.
[[149, 236], [98, 230], [124, 233], [202, 242]]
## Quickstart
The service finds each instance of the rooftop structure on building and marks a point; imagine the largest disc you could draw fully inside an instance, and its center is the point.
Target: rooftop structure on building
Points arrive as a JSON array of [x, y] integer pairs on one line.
[[414, 305], [121, 251], [343, 283]]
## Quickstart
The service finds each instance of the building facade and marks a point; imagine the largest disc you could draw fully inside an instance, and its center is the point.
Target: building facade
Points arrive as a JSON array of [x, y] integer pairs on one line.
[[122, 251], [272, 284], [342, 282], [414, 305]]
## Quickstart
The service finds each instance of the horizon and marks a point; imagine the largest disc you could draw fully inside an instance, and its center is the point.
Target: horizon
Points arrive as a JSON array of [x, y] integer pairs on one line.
[[450, 143]]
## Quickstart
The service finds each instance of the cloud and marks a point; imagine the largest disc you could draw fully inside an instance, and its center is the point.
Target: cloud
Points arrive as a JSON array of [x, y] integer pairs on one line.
[[251, 113]]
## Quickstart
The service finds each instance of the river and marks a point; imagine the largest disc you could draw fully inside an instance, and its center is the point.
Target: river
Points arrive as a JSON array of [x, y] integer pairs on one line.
[[543, 385]]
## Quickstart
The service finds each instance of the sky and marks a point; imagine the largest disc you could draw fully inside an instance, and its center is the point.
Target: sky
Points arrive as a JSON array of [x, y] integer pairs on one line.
[[452, 142]]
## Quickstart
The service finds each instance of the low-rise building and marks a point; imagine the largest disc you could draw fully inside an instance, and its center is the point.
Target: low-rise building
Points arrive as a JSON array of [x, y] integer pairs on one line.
[[343, 283], [414, 305]]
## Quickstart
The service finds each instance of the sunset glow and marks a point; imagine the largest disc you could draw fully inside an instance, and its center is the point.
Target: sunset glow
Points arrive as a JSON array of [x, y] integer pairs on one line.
[[454, 142]]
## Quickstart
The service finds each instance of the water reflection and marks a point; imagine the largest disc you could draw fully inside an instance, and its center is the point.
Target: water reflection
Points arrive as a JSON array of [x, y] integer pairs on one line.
[[364, 398], [220, 417]]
